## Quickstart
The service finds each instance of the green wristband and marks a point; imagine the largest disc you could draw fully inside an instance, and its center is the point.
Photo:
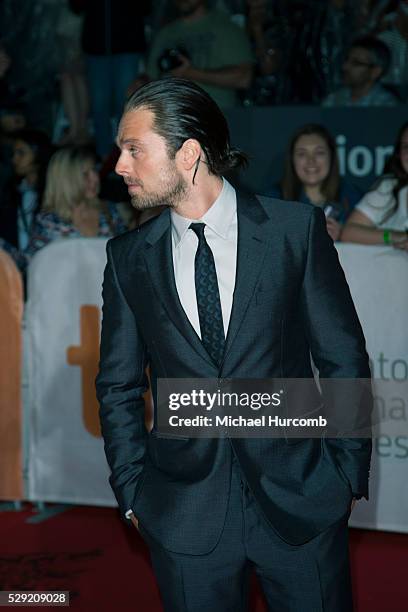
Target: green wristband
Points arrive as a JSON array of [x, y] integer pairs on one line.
[[387, 237]]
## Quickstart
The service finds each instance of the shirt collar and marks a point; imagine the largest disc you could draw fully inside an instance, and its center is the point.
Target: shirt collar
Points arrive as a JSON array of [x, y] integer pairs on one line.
[[218, 217]]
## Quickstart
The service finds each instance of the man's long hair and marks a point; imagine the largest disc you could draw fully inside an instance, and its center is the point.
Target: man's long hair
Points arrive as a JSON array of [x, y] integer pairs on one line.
[[183, 110], [40, 145]]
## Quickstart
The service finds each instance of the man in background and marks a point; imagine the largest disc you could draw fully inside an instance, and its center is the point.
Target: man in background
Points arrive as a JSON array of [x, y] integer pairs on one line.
[[206, 47], [366, 63]]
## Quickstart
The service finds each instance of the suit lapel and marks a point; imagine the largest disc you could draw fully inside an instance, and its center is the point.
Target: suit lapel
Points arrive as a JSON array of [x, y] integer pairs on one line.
[[251, 250], [159, 262]]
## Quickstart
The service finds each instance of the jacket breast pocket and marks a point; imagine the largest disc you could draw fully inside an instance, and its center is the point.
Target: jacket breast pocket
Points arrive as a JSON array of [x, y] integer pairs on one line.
[[265, 296]]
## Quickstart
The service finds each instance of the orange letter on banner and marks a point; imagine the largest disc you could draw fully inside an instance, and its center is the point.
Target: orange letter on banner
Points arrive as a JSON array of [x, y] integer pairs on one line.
[[86, 356]]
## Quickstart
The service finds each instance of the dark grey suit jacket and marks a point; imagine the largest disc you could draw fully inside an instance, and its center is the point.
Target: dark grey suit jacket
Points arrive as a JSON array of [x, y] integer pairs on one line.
[[291, 299]]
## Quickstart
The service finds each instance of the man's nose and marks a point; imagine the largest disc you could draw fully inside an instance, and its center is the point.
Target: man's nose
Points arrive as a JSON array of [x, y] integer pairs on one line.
[[121, 167]]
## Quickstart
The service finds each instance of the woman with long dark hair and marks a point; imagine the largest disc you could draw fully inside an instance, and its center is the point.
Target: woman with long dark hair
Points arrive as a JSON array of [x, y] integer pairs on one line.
[[22, 197], [381, 217], [312, 175]]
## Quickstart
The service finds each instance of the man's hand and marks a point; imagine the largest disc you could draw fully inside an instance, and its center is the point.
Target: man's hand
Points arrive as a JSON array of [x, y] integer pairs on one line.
[[399, 240], [134, 521], [230, 77], [185, 70], [333, 228]]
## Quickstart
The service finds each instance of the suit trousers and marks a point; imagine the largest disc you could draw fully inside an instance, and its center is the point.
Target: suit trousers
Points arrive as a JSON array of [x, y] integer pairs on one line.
[[312, 577]]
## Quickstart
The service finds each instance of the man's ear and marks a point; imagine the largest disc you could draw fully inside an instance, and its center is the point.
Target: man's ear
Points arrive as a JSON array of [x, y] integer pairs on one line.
[[189, 153]]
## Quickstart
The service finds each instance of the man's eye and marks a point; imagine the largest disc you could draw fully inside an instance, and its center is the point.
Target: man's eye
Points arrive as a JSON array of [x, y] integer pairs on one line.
[[133, 151]]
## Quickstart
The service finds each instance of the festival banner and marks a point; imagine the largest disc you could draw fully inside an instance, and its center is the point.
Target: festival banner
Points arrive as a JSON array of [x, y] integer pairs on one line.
[[378, 280], [66, 458], [67, 462]]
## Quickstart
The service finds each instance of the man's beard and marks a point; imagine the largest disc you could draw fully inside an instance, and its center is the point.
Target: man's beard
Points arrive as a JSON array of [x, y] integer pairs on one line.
[[174, 190]]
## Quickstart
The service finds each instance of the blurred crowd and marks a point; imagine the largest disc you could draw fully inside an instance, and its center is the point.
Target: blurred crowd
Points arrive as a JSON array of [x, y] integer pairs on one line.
[[67, 66]]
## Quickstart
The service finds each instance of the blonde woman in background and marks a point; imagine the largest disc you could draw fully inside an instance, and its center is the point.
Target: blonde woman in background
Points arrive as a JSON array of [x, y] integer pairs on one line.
[[71, 205]]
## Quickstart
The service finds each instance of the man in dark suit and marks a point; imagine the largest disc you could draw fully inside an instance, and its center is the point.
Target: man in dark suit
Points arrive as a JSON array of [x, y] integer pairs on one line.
[[225, 285]]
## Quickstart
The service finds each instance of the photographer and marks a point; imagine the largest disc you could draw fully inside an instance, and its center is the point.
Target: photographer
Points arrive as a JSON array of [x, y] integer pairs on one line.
[[204, 46]]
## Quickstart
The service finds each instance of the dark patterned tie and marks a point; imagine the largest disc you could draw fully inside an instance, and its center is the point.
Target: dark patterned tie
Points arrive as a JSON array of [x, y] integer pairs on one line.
[[208, 297]]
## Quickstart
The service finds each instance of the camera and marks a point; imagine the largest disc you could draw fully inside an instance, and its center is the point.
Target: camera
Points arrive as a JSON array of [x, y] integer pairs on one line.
[[170, 59]]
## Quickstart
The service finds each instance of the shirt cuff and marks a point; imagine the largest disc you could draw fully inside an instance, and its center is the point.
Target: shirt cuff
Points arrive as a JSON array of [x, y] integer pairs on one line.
[[128, 514]]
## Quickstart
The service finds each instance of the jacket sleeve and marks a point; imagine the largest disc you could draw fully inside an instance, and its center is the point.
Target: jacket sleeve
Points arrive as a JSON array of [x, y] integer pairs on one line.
[[120, 385], [338, 349]]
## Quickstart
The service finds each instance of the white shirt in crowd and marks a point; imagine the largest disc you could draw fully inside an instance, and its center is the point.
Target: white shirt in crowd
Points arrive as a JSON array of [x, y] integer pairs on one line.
[[221, 233], [377, 204]]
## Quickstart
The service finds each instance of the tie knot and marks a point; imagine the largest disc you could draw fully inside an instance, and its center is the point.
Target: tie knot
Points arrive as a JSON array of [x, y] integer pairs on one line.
[[198, 229]]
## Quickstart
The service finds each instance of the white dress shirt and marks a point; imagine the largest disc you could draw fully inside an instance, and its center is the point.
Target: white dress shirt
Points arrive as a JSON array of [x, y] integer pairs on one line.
[[221, 233], [378, 205]]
